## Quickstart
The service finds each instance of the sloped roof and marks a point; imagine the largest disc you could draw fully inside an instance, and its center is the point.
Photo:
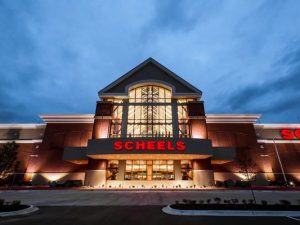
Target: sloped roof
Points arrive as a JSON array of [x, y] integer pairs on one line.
[[150, 71]]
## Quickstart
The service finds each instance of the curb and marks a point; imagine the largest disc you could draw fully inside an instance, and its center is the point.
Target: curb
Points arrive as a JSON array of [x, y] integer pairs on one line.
[[26, 211], [177, 212]]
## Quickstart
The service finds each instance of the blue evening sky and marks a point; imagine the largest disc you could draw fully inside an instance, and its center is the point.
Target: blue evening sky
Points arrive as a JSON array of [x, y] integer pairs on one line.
[[56, 55]]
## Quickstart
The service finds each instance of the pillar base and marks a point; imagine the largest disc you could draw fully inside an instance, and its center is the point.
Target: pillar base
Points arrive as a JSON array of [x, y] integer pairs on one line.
[[95, 178], [203, 178]]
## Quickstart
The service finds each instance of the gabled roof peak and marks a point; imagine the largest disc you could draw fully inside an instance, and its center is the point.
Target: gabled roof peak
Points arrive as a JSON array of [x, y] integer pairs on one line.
[[150, 71]]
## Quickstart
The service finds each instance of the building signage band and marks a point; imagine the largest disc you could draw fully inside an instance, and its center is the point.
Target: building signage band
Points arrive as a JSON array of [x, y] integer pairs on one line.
[[149, 145], [289, 134]]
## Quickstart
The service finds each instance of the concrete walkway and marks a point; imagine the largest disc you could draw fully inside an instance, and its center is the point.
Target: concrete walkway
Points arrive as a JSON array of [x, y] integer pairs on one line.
[[114, 198]]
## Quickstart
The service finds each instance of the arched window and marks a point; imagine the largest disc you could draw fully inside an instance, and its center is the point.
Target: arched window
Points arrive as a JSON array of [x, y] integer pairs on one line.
[[150, 112], [149, 94]]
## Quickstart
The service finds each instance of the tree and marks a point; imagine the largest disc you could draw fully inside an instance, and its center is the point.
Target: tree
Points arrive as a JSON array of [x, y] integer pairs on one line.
[[246, 164], [8, 160], [247, 167]]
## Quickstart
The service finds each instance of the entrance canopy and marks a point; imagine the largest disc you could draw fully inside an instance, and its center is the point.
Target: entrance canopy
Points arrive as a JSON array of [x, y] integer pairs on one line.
[[149, 148]]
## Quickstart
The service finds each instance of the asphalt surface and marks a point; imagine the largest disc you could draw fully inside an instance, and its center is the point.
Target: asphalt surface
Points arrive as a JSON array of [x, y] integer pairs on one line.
[[134, 198], [130, 215]]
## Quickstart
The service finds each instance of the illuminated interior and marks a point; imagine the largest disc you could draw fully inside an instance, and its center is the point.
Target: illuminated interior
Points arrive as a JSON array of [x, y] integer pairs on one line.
[[116, 122], [136, 170], [183, 121], [149, 170], [163, 170], [150, 112]]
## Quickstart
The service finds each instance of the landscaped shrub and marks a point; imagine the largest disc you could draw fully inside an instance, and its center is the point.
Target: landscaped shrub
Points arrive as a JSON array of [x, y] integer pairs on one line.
[[229, 183], [208, 201], [235, 201], [217, 200], [219, 183], [264, 202], [242, 184], [244, 201], [285, 202], [201, 202], [16, 203], [186, 201], [251, 201]]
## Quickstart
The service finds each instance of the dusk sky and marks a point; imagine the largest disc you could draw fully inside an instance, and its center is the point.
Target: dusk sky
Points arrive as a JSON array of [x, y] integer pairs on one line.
[[56, 55]]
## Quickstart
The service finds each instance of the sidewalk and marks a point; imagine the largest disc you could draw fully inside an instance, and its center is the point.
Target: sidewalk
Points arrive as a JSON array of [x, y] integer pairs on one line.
[[46, 187]]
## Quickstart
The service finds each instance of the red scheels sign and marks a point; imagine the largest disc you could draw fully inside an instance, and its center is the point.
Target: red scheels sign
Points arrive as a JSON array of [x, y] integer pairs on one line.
[[149, 145], [289, 134]]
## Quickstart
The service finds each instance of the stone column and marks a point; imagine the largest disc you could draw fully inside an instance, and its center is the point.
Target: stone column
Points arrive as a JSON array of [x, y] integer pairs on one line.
[[203, 175], [121, 170], [197, 119], [95, 175], [198, 128], [101, 128], [102, 120], [177, 170]]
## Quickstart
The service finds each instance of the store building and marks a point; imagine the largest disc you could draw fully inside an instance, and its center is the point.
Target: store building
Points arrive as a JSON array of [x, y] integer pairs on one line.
[[150, 129]]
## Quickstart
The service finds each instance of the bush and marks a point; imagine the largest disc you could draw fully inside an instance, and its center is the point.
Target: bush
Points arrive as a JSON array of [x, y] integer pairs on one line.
[[285, 202], [242, 184], [16, 203], [251, 201], [264, 202], [186, 201], [244, 201], [217, 200], [235, 201], [208, 201], [219, 183], [52, 184], [229, 183], [201, 202], [2, 202]]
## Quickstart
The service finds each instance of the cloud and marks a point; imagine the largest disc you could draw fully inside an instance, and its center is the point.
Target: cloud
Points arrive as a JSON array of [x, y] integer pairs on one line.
[[275, 96], [55, 56]]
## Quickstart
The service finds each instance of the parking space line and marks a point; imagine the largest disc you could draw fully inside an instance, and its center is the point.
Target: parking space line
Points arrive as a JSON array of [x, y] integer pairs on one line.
[[293, 218]]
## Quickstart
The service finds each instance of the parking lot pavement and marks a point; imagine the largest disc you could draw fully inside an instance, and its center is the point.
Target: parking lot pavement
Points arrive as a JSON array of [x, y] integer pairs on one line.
[[119, 198], [130, 215]]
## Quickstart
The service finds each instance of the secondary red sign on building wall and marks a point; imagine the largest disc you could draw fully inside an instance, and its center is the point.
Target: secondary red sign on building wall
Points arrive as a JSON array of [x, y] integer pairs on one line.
[[289, 134]]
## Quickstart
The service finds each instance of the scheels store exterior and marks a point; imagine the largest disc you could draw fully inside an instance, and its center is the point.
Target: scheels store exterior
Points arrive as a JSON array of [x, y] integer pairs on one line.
[[150, 129]]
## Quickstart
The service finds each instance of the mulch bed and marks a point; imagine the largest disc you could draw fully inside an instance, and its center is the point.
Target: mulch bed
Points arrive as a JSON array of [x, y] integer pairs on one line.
[[236, 207], [10, 208]]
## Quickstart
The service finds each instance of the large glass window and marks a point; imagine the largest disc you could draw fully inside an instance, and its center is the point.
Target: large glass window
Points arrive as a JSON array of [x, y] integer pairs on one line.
[[186, 170], [149, 93], [163, 170], [116, 122], [136, 170], [183, 121], [150, 114], [112, 169]]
